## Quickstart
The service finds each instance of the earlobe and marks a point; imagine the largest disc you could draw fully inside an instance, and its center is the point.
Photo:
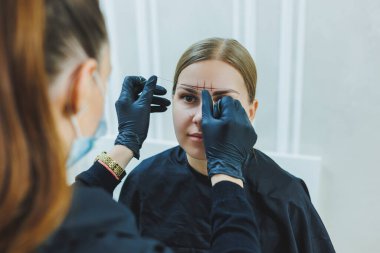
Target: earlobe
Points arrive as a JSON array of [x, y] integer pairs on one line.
[[252, 109]]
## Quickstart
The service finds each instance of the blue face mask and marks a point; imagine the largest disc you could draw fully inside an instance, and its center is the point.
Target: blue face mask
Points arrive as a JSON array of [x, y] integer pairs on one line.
[[82, 145]]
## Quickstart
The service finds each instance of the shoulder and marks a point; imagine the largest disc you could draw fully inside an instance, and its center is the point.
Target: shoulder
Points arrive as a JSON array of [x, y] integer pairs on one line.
[[93, 209], [171, 155], [159, 163], [155, 172], [269, 179], [93, 216]]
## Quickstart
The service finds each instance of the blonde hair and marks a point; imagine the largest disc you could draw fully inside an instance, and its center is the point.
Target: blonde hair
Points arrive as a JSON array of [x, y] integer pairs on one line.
[[227, 50]]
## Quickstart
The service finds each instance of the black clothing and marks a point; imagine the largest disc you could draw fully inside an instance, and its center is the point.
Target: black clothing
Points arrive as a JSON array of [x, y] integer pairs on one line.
[[96, 223], [172, 203]]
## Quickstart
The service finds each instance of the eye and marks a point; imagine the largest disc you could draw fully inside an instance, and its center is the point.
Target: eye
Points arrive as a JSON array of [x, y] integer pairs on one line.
[[189, 99]]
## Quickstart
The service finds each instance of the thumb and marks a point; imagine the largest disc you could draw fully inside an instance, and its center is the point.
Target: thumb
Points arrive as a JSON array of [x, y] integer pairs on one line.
[[147, 93], [207, 105], [132, 85]]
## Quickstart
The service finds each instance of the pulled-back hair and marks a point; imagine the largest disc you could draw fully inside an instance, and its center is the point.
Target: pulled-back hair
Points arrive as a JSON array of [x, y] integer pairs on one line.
[[75, 29]]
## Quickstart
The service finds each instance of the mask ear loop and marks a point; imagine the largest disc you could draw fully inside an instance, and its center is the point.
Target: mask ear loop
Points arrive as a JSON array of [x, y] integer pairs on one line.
[[103, 90], [74, 122]]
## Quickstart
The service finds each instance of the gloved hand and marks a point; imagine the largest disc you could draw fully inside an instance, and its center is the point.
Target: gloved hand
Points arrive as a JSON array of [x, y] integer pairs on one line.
[[228, 135], [133, 110]]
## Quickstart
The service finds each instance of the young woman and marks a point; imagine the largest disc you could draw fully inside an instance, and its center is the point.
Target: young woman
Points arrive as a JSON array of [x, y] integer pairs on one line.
[[50, 120], [170, 193]]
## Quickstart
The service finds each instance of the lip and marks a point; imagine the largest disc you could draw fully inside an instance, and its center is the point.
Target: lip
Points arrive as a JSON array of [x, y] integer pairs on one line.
[[197, 137]]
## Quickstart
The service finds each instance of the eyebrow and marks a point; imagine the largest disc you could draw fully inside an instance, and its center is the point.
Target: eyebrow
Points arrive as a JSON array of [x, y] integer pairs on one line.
[[191, 89], [194, 89]]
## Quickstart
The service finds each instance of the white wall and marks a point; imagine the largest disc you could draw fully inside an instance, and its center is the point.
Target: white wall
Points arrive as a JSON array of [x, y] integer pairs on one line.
[[319, 74], [341, 117]]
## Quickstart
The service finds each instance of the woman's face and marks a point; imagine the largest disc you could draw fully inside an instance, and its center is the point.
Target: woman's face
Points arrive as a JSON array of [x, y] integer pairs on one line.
[[220, 79]]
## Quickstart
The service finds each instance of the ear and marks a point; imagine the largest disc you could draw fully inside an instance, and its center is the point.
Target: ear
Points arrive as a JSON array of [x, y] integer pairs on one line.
[[81, 84], [252, 109]]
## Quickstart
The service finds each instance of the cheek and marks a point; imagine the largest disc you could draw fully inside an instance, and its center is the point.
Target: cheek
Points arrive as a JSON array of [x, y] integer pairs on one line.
[[246, 108], [182, 119], [244, 103], [178, 119]]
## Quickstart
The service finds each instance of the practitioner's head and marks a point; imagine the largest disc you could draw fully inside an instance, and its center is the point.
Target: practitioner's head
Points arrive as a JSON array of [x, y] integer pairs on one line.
[[222, 66], [77, 61], [64, 38]]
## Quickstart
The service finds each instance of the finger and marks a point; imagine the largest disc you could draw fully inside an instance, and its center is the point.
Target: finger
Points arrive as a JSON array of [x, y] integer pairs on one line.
[[239, 107], [155, 108], [207, 105], [138, 86], [227, 107], [160, 101], [132, 85], [241, 111], [149, 87], [217, 109], [159, 90]]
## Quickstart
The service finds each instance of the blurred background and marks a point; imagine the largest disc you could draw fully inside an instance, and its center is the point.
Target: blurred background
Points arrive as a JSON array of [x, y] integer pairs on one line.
[[318, 90]]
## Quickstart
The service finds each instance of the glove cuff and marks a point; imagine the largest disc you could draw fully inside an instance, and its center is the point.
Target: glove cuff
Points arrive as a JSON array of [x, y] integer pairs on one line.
[[131, 141], [220, 167]]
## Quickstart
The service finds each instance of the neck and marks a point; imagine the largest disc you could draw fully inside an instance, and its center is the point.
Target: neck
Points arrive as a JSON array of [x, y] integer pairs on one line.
[[198, 165], [65, 131]]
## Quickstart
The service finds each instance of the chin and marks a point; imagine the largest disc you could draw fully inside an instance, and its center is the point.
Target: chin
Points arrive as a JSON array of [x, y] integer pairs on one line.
[[197, 152]]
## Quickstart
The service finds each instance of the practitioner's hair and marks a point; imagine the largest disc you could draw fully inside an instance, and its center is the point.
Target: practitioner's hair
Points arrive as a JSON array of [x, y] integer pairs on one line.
[[227, 50], [75, 30], [36, 37]]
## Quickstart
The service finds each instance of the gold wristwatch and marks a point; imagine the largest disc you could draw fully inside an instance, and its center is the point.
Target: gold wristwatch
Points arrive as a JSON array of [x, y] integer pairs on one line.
[[114, 166]]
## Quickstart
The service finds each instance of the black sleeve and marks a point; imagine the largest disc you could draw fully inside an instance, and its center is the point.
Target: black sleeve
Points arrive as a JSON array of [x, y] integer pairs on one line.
[[96, 223], [98, 176], [234, 226]]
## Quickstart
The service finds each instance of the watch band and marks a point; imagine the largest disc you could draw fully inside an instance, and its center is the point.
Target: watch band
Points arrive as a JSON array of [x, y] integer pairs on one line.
[[114, 166]]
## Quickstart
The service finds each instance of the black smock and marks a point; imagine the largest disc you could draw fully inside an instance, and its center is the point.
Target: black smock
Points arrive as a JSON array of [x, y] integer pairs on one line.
[[171, 202], [96, 223]]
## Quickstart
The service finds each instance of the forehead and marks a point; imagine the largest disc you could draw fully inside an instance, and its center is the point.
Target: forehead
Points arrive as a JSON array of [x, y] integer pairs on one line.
[[218, 73]]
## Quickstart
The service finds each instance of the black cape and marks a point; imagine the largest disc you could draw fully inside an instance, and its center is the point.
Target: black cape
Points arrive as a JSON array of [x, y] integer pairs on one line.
[[172, 203]]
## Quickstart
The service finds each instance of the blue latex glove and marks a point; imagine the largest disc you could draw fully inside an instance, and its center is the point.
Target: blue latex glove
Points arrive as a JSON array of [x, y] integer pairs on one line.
[[228, 135], [133, 110]]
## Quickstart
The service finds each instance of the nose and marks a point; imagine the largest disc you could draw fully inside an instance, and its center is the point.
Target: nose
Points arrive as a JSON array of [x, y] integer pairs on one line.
[[197, 118]]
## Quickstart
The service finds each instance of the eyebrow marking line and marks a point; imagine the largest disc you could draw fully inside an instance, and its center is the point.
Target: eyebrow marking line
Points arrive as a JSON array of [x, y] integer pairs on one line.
[[216, 91]]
